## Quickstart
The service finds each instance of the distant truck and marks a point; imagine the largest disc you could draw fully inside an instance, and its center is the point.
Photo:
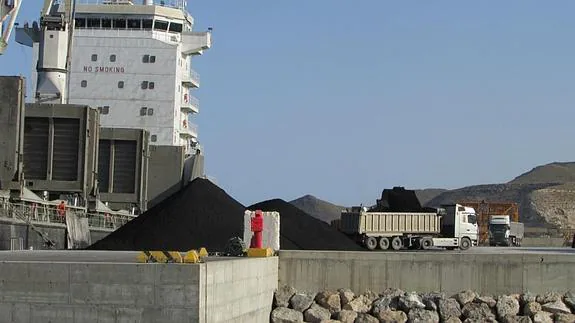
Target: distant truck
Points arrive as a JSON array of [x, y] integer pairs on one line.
[[451, 226], [502, 231]]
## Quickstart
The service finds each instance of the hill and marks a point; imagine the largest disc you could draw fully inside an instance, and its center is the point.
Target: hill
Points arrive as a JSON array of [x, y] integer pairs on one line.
[[428, 194], [550, 173], [318, 208], [545, 194]]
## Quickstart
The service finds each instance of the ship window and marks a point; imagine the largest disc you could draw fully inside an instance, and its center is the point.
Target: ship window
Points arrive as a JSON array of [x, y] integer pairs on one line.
[[94, 57], [84, 83], [121, 84], [120, 23], [176, 27], [151, 86], [147, 24], [80, 22], [143, 111], [154, 138], [144, 85], [152, 59], [104, 110], [94, 23], [106, 23], [112, 58], [134, 23], [150, 112], [161, 25], [146, 59]]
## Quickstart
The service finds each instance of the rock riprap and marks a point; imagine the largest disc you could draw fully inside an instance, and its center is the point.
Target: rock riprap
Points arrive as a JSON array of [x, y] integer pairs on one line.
[[393, 305]]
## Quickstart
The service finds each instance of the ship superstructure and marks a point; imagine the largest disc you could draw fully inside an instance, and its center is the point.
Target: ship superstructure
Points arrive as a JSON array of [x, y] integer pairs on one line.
[[132, 60]]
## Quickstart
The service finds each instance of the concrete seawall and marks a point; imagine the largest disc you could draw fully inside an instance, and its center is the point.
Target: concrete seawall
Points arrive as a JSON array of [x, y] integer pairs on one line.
[[87, 286], [448, 271]]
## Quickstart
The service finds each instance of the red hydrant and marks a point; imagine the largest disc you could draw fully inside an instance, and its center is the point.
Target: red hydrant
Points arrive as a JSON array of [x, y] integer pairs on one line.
[[257, 226]]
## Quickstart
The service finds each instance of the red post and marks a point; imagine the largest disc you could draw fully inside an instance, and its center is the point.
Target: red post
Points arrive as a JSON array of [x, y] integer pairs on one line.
[[257, 226]]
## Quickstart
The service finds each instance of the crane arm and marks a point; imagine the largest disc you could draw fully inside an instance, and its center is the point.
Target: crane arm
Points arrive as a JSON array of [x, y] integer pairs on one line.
[[8, 8]]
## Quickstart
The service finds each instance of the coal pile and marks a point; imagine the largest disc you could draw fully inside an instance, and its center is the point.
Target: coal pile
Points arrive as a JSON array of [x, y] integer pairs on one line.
[[200, 215], [301, 231], [399, 199]]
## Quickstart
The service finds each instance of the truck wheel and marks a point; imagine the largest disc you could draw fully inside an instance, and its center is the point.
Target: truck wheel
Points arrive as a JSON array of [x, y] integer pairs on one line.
[[465, 243], [370, 243], [396, 243], [426, 243], [383, 243]]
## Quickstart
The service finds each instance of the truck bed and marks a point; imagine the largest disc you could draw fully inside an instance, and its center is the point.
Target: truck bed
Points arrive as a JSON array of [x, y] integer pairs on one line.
[[389, 223]]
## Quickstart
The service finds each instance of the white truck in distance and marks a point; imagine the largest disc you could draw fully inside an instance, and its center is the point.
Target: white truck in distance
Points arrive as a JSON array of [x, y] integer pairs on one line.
[[504, 232], [452, 226]]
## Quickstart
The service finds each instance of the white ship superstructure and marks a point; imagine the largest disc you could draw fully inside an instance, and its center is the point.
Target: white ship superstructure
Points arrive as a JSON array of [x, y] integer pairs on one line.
[[132, 60]]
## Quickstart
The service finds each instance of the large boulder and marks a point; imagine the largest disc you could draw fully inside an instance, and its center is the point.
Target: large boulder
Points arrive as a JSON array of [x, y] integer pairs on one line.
[[329, 300], [420, 315], [360, 304], [286, 315], [283, 294], [477, 311], [466, 296], [549, 297], [346, 296], [569, 300], [449, 308], [564, 318], [506, 306], [346, 316], [410, 301], [391, 316], [556, 307], [531, 308], [543, 317], [365, 318], [301, 302], [316, 314]]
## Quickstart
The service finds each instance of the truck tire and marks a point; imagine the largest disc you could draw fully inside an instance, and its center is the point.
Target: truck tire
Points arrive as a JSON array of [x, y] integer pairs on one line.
[[370, 243], [426, 243], [465, 243], [396, 243], [383, 243]]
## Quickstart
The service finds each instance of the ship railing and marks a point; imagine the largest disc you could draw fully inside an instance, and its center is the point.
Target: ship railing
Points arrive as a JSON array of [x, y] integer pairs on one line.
[[178, 4], [46, 213], [126, 32], [195, 76]]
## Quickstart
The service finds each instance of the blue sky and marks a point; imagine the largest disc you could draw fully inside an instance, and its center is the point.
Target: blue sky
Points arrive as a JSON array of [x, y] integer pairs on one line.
[[341, 99]]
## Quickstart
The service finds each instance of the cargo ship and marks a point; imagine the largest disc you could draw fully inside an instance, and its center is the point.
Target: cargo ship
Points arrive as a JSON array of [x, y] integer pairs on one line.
[[109, 128]]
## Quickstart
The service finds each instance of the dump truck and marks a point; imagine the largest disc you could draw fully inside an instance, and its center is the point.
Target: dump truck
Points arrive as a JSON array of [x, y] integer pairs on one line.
[[450, 226], [504, 232]]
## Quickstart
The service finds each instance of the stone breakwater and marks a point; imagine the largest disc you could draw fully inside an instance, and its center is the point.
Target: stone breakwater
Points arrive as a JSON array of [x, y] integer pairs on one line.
[[397, 306]]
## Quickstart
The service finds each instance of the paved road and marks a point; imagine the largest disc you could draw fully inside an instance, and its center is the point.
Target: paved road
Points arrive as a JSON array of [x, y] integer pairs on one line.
[[130, 256]]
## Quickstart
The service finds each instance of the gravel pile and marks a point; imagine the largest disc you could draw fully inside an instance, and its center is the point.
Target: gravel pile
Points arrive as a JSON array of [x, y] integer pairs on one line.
[[299, 230], [394, 305], [200, 215]]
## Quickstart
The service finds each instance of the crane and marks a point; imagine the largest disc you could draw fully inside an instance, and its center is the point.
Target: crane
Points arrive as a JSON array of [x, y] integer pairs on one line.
[[8, 8], [54, 34]]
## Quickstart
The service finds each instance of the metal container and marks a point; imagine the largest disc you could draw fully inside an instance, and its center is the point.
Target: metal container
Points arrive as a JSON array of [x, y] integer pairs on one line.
[[61, 148], [390, 223], [123, 167]]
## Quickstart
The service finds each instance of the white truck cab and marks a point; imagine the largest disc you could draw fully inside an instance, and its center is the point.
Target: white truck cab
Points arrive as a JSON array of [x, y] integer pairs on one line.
[[460, 224]]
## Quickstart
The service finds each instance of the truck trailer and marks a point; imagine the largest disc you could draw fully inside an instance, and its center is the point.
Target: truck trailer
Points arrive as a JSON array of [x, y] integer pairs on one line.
[[503, 231], [450, 226]]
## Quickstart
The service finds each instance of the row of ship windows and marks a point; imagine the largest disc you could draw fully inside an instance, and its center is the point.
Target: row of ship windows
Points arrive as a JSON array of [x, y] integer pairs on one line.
[[146, 85], [121, 23], [144, 111], [145, 59]]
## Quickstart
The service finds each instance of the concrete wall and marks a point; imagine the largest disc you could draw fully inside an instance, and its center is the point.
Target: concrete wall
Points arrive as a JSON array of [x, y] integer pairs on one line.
[[217, 291], [240, 290], [543, 242], [447, 271]]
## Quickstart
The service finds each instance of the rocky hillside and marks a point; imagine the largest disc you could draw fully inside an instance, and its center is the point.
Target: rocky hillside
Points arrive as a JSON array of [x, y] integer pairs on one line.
[[545, 194], [318, 208]]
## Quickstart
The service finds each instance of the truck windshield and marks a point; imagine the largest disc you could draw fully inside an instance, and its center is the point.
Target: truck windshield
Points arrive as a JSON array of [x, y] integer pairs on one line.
[[472, 218], [498, 227]]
